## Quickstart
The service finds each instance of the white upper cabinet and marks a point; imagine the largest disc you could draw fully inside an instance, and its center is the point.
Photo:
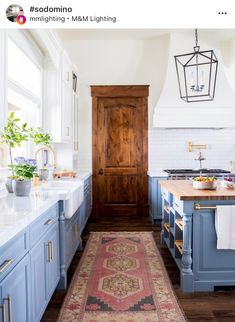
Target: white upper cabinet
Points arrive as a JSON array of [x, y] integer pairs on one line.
[[67, 99], [58, 100]]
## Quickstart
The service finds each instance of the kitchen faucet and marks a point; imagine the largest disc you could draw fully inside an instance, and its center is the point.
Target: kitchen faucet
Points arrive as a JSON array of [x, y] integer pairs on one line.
[[200, 158], [49, 149]]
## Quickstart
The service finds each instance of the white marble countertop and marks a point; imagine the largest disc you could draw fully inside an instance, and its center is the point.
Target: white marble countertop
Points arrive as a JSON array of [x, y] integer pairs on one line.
[[18, 212]]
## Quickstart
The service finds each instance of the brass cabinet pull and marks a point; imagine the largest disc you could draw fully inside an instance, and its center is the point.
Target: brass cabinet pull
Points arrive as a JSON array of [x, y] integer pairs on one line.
[[49, 251], [48, 222], [5, 265], [8, 299], [175, 204], [51, 243], [75, 146], [75, 227], [3, 312]]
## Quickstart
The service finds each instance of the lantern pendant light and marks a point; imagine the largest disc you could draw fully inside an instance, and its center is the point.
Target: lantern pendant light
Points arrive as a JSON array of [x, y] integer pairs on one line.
[[197, 73]]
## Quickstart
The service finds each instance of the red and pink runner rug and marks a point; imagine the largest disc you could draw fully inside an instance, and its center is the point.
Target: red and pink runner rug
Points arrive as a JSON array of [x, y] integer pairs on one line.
[[121, 278]]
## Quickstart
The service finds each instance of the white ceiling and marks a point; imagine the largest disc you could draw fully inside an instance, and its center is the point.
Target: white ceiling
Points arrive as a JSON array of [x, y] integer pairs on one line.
[[136, 34]]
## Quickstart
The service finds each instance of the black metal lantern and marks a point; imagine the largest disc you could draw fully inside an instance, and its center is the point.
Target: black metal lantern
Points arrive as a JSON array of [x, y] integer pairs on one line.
[[197, 72]]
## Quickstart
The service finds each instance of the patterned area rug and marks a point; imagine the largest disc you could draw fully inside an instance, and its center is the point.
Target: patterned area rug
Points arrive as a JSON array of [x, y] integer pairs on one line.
[[121, 278]]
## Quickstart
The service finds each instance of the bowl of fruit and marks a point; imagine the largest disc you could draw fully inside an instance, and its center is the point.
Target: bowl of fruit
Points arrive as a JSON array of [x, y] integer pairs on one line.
[[205, 183]]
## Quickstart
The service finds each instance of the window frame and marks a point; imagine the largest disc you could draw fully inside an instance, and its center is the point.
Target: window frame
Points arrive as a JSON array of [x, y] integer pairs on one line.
[[24, 41]]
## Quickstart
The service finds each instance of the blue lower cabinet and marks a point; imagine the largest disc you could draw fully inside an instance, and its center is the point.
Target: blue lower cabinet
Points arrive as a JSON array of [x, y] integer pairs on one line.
[[155, 199], [52, 261], [71, 230], [45, 270], [69, 241], [82, 216], [15, 293], [87, 203], [39, 296]]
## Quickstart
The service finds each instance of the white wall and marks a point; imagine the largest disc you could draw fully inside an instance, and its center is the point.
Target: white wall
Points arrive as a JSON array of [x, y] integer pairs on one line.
[[115, 62]]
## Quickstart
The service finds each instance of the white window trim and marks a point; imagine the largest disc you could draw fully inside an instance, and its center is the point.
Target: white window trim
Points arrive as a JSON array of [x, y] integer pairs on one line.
[[16, 87], [24, 41]]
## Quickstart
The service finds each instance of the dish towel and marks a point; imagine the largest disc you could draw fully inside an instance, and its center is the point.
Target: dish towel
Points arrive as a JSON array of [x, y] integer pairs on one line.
[[225, 227]]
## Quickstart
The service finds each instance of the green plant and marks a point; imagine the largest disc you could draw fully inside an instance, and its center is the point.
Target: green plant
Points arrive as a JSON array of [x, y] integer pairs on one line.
[[39, 137], [13, 135], [24, 171]]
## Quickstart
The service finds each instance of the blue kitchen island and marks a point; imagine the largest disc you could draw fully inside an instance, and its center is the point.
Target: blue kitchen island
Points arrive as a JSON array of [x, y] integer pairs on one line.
[[188, 230]]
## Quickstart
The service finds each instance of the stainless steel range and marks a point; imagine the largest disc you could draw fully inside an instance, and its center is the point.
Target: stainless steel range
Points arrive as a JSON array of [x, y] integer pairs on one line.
[[182, 174]]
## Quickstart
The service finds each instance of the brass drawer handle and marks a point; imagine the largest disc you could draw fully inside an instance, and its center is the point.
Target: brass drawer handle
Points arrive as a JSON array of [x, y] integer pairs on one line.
[[176, 205], [75, 230], [3, 312], [48, 222], [8, 299], [5, 265], [51, 243], [50, 251]]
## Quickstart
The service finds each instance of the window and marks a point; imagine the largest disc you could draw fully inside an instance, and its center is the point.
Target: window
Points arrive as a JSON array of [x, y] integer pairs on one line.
[[24, 87]]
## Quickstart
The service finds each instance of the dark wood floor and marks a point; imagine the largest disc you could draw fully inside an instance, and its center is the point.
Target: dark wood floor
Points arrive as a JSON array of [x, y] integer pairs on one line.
[[198, 307]]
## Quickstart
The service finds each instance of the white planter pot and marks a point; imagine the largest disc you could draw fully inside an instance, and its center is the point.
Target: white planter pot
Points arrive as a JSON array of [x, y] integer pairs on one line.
[[9, 185]]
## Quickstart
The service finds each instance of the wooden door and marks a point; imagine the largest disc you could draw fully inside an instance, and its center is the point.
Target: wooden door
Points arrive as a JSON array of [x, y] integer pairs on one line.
[[120, 118]]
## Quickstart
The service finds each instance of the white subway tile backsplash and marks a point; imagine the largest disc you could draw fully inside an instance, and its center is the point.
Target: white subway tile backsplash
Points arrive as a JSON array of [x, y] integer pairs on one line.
[[169, 149]]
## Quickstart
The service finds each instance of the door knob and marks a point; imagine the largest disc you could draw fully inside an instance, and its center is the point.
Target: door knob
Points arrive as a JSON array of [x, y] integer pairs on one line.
[[101, 171]]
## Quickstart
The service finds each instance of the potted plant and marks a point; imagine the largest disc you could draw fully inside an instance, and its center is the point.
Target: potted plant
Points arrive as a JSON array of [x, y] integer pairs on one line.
[[39, 137], [13, 135], [24, 170]]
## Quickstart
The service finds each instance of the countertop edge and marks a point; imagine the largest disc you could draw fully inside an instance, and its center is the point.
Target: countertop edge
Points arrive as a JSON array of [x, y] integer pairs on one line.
[[180, 194]]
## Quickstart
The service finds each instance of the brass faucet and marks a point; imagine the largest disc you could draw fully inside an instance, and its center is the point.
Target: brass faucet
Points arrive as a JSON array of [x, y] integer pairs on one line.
[[200, 158], [47, 148], [192, 146]]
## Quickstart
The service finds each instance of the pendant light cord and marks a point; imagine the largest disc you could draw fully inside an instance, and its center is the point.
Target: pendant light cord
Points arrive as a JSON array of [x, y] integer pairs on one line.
[[196, 37]]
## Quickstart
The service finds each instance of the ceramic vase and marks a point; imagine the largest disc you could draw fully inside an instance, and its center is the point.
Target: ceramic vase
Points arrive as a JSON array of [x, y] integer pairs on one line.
[[43, 174], [22, 188], [9, 185]]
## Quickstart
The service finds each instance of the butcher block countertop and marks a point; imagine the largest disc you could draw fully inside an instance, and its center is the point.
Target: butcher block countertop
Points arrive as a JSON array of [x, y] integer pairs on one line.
[[183, 190]]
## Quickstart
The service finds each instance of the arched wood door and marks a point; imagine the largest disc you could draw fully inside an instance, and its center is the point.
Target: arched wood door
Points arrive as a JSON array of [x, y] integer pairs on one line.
[[120, 152]]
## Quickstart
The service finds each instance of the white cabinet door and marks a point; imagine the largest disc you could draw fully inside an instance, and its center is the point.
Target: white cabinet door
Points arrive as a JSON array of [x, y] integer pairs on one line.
[[58, 101], [75, 122], [67, 128]]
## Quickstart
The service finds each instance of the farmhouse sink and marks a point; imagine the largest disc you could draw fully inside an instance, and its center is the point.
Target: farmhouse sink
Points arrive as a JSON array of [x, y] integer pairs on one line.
[[62, 184], [71, 192]]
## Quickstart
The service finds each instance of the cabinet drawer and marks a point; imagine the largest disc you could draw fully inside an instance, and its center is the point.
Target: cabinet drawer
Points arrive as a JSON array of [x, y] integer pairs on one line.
[[12, 252], [178, 205], [42, 224]]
